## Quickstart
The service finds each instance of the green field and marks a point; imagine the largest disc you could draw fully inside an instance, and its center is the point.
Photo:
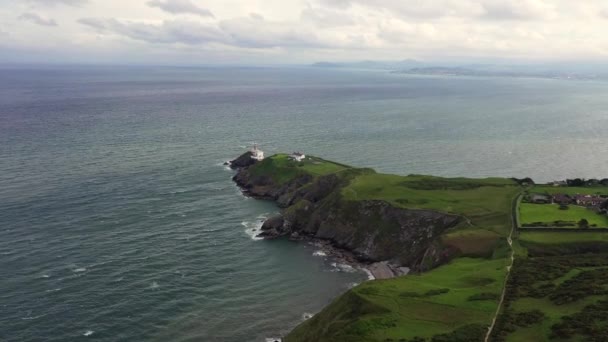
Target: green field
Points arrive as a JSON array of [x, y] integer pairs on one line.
[[530, 214], [485, 202], [462, 293], [548, 189]]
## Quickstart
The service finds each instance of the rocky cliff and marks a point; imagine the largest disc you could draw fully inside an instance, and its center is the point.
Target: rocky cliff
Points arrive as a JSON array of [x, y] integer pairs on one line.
[[372, 230]]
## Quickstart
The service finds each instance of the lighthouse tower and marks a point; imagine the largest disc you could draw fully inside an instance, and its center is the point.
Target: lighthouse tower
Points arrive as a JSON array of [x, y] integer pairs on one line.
[[256, 153]]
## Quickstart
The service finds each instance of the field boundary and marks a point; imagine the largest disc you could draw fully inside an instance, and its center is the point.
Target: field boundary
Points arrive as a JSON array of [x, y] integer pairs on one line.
[[562, 229]]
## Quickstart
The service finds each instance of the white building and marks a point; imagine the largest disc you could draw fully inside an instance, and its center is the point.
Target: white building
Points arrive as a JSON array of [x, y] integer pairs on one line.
[[256, 153], [297, 156]]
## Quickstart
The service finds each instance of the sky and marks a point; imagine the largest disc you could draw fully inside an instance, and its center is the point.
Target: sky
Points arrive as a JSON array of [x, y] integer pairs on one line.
[[198, 32]]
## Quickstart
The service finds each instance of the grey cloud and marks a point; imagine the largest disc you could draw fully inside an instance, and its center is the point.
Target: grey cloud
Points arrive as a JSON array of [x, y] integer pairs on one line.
[[37, 19], [185, 32], [180, 7], [246, 32], [59, 2], [255, 32]]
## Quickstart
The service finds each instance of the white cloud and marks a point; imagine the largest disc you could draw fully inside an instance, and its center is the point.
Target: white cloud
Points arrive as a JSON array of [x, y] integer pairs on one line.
[[180, 7], [310, 30], [59, 2], [324, 17], [517, 9], [37, 19]]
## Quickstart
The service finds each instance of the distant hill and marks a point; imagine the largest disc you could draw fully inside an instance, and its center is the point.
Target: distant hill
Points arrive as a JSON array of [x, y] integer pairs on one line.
[[579, 71], [379, 65], [493, 71]]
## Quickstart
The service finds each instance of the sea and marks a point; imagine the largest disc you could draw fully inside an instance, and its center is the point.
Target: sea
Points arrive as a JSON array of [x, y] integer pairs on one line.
[[119, 221]]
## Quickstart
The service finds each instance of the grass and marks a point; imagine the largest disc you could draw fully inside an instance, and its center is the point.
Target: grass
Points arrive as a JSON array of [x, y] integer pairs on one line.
[[416, 305], [282, 169], [554, 286], [559, 238], [591, 190], [486, 202], [553, 314], [549, 213]]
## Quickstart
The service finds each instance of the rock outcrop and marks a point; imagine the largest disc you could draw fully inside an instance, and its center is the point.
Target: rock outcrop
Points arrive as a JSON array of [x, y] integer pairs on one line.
[[372, 230]]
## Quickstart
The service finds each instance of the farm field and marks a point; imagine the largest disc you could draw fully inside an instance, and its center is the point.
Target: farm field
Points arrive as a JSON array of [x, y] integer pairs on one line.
[[549, 215]]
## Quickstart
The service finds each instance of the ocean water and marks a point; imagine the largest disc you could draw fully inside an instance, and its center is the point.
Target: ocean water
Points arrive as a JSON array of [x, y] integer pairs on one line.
[[118, 221]]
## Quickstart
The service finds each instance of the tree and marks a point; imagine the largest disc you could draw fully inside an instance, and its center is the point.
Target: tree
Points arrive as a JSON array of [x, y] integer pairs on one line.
[[575, 182], [583, 223]]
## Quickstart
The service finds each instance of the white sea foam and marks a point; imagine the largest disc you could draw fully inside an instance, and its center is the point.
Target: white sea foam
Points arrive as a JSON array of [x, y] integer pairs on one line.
[[319, 253], [45, 276], [154, 285], [29, 318], [273, 339], [54, 290], [253, 228], [370, 276], [351, 285], [337, 267], [80, 269], [307, 315], [88, 333]]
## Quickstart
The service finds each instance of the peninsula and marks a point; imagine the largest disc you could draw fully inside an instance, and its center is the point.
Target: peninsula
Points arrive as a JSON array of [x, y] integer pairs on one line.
[[472, 270]]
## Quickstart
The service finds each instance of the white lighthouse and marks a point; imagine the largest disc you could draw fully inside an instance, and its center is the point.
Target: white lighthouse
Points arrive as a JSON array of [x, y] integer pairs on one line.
[[256, 153]]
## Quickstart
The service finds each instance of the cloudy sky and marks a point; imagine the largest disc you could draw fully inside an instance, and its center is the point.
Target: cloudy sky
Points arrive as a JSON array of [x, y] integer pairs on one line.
[[300, 31]]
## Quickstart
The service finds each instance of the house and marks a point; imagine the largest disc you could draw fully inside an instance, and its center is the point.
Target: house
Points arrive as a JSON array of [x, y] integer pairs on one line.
[[589, 200], [540, 199], [562, 199], [256, 153], [297, 156], [559, 183]]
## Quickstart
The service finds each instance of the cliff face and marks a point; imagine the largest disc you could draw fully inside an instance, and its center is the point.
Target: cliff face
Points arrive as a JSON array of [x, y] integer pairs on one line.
[[372, 230]]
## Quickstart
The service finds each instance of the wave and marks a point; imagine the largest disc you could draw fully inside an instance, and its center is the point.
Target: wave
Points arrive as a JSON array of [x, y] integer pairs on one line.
[[273, 339], [154, 285], [254, 228], [319, 253], [307, 315], [339, 267], [79, 270], [88, 333], [370, 275]]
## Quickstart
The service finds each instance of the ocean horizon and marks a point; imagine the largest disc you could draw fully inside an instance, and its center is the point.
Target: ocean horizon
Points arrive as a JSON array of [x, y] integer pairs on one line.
[[120, 221]]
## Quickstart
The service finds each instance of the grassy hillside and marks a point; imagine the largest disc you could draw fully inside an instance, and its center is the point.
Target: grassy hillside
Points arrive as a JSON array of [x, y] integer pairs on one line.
[[485, 202], [464, 292], [556, 292], [283, 169], [457, 299], [556, 298]]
